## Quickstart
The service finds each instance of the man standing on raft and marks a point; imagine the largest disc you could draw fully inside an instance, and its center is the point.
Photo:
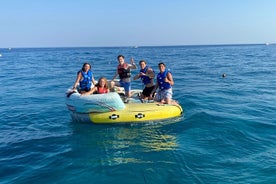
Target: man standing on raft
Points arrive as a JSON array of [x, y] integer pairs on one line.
[[124, 72]]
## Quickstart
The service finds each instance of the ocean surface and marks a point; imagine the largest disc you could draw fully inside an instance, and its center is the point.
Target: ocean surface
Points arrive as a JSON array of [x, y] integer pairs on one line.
[[227, 133]]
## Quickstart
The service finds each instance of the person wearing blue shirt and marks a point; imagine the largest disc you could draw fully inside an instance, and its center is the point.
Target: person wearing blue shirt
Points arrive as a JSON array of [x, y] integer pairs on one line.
[[164, 84], [146, 75], [85, 79]]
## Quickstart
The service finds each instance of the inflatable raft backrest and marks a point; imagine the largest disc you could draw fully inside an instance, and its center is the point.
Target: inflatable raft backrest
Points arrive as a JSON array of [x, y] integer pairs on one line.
[[95, 103]]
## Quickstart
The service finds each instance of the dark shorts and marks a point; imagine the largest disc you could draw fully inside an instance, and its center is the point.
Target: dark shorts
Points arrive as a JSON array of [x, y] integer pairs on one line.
[[147, 90], [85, 89]]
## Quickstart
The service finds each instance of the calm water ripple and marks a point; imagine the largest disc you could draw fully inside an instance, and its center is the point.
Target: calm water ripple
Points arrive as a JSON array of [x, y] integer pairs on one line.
[[226, 135]]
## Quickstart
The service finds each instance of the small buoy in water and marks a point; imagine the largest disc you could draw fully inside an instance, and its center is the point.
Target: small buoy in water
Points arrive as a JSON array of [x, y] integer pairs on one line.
[[0, 55], [224, 75]]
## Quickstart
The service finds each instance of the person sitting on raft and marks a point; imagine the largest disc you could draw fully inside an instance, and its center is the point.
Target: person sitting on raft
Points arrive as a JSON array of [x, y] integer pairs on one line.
[[85, 79], [100, 88]]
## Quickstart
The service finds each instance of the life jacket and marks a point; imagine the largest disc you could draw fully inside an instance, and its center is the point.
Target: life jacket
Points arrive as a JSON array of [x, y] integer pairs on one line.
[[101, 90], [160, 79], [86, 81], [145, 79], [124, 71]]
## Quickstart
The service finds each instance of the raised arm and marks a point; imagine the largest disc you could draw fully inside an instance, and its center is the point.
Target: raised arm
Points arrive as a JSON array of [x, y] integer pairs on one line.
[[132, 64]]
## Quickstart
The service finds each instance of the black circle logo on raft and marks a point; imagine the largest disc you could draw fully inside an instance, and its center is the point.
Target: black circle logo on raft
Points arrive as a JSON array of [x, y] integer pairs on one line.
[[114, 116], [139, 115]]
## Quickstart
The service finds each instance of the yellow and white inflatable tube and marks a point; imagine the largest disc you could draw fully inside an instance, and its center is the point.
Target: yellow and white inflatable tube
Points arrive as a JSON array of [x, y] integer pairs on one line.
[[109, 108], [132, 113], [138, 112]]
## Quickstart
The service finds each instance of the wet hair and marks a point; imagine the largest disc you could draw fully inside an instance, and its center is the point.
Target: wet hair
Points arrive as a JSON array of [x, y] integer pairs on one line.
[[84, 66], [142, 61], [105, 81], [120, 56], [161, 64]]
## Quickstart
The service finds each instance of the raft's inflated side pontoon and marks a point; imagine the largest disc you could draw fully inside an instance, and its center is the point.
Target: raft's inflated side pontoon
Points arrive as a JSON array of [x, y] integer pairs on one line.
[[109, 108]]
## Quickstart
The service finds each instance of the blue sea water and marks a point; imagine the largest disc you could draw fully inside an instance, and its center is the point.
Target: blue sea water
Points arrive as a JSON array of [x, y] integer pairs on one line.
[[227, 133]]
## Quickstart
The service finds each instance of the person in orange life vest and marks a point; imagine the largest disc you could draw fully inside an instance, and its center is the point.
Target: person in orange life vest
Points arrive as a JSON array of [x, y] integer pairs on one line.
[[85, 79], [100, 88], [146, 75], [164, 82], [124, 72]]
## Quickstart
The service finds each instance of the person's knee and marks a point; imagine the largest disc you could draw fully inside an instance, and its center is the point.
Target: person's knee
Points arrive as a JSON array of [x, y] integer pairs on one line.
[[168, 100], [128, 93], [111, 84]]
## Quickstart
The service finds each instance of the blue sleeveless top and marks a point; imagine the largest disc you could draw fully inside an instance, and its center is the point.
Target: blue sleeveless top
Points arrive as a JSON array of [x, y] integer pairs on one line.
[[145, 79], [86, 82], [160, 79]]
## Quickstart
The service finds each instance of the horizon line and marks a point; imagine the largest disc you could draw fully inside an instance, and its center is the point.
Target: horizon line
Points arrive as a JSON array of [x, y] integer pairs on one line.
[[137, 46]]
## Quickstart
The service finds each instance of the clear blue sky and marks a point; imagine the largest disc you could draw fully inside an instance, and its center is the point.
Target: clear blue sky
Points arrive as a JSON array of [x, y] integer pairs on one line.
[[58, 23]]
